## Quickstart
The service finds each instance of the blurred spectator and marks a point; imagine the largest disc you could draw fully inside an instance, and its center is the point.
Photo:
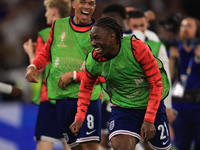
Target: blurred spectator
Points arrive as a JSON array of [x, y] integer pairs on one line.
[[170, 24], [137, 21], [186, 85], [117, 12], [149, 14]]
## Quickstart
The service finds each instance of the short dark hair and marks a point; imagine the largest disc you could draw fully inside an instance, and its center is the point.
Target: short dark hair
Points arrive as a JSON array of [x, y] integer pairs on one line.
[[137, 13], [115, 7], [110, 23]]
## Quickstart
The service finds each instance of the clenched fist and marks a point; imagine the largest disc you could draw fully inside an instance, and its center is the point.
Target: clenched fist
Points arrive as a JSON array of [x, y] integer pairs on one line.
[[32, 75]]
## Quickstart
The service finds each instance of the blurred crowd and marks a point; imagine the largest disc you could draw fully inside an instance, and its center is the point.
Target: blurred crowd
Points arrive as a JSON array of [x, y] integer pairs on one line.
[[21, 19]]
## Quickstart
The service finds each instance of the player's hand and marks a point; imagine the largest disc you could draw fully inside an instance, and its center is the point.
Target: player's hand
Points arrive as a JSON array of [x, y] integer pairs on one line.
[[65, 79], [150, 15], [29, 47], [32, 75], [75, 127], [16, 92], [148, 131]]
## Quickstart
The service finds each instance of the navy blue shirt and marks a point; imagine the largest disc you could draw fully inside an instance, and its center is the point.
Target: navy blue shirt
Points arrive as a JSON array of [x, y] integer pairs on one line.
[[193, 81]]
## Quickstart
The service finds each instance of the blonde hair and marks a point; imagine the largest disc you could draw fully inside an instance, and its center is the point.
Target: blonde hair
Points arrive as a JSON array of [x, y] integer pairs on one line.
[[63, 6]]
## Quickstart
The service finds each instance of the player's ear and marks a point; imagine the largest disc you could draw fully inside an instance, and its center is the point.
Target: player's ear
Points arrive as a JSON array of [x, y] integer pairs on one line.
[[127, 23], [74, 4], [54, 11], [112, 37]]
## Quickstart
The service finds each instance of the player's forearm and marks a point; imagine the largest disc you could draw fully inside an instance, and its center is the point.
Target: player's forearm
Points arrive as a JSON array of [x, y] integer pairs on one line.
[[43, 56], [41, 61], [79, 76], [156, 87], [154, 78], [31, 57], [155, 95], [85, 92]]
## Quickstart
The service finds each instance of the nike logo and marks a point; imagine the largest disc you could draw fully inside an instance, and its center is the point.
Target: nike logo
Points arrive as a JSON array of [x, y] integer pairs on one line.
[[165, 142], [88, 133]]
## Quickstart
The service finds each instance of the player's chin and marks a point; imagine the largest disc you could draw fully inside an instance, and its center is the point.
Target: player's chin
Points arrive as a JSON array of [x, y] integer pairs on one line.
[[100, 54], [85, 21]]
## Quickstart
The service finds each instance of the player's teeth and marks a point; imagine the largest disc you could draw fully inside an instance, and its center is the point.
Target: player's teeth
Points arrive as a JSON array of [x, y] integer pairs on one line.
[[85, 12], [97, 48]]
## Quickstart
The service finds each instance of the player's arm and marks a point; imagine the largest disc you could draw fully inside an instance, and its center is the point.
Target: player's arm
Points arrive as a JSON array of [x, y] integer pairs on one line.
[[144, 56], [44, 56], [41, 60], [77, 76], [10, 90], [38, 48], [85, 92], [29, 47]]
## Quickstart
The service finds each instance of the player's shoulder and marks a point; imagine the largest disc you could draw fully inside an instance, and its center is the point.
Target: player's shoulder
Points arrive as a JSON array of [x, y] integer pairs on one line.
[[138, 44], [62, 20]]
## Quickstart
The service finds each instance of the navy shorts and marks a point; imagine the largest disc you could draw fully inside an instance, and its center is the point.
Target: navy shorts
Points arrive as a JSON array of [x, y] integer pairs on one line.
[[129, 121], [47, 125], [91, 128], [105, 116]]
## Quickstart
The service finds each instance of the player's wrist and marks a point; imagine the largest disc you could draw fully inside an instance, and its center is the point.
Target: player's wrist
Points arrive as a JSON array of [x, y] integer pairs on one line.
[[5, 88], [31, 54], [79, 119], [31, 65], [149, 120]]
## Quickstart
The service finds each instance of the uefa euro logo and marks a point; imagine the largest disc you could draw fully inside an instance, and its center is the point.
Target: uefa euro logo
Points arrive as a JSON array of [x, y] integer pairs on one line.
[[62, 43], [62, 36]]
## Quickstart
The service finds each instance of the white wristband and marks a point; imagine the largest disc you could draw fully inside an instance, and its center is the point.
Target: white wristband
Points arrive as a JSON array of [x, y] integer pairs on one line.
[[32, 66], [74, 75], [5, 88]]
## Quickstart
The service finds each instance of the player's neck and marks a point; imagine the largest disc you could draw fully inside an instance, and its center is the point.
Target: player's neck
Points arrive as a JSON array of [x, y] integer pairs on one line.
[[114, 50], [56, 17]]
